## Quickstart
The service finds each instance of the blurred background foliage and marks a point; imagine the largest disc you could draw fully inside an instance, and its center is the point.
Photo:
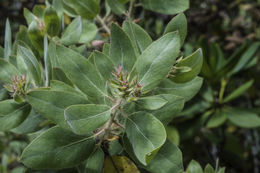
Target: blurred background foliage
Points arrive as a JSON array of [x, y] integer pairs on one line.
[[228, 32]]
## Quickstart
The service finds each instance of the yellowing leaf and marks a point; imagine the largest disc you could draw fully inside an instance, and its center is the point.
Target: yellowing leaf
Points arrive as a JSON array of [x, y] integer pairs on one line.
[[119, 164]]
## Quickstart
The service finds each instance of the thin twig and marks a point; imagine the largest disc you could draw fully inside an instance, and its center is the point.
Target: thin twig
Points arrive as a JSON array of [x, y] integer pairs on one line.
[[102, 22]]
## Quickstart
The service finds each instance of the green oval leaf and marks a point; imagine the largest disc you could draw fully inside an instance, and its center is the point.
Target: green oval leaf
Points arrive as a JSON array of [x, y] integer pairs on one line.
[[194, 62], [151, 102], [56, 149], [51, 104], [178, 23], [84, 119], [72, 33], [121, 50], [12, 114], [146, 134], [7, 71], [52, 21], [155, 62]]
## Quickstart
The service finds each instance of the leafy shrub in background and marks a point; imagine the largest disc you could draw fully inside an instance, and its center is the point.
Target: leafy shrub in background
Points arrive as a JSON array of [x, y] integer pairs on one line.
[[96, 110]]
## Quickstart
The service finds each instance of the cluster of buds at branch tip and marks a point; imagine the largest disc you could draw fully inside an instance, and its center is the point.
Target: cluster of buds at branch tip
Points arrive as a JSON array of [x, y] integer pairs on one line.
[[124, 86], [18, 86]]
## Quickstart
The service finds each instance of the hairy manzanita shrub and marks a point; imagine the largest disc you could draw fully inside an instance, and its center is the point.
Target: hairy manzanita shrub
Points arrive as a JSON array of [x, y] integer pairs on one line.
[[104, 112]]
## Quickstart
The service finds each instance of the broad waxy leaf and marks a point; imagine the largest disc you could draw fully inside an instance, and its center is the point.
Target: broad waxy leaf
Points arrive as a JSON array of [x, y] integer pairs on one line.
[[61, 86], [51, 104], [166, 6], [167, 160], [178, 23], [7, 71], [30, 125], [73, 32], [121, 50], [242, 118], [8, 40], [52, 21], [89, 31], [194, 167], [58, 74], [12, 114], [194, 62], [239, 91], [171, 109], [139, 37], [103, 64], [33, 67], [146, 134], [82, 73], [151, 102], [117, 7], [57, 148], [84, 119], [119, 164], [155, 62], [85, 8], [185, 90], [95, 162]]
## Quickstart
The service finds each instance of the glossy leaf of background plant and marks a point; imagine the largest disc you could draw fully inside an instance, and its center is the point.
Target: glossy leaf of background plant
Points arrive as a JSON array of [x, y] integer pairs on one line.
[[84, 119], [194, 167], [12, 114], [56, 149], [155, 62], [239, 91], [242, 118], [166, 6], [146, 134]]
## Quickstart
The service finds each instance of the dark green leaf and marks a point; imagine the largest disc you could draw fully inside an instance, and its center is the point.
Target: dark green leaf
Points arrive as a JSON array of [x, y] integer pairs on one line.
[[12, 114], [73, 32], [146, 134], [85, 8], [51, 104], [166, 6], [239, 91], [139, 37], [242, 118], [178, 23], [194, 62], [155, 62], [84, 119], [7, 71], [117, 7], [82, 73], [194, 167], [167, 160], [185, 90], [56, 149], [89, 31], [121, 50], [95, 162], [217, 119], [151, 102], [51, 21]]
